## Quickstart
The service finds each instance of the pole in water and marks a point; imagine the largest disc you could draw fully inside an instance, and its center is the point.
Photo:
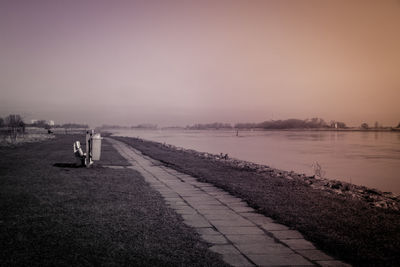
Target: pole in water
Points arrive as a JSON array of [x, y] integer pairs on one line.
[[237, 132]]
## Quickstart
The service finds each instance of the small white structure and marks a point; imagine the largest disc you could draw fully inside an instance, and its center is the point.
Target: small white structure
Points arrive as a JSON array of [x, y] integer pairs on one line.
[[93, 149], [96, 146]]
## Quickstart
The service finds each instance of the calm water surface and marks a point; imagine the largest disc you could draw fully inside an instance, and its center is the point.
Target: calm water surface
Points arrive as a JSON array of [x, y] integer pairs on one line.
[[364, 158]]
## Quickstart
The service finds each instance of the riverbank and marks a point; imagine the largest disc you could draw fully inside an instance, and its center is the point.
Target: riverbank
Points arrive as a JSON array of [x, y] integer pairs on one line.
[[344, 225], [374, 197], [55, 214]]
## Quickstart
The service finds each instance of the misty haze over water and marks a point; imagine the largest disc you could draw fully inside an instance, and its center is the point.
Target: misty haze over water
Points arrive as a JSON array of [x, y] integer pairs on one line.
[[371, 159]]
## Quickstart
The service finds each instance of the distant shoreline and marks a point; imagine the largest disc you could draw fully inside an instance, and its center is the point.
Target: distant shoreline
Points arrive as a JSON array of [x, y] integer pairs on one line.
[[352, 129]]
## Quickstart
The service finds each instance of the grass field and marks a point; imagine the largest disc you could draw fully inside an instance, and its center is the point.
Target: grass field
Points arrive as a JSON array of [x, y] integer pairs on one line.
[[52, 214], [347, 228]]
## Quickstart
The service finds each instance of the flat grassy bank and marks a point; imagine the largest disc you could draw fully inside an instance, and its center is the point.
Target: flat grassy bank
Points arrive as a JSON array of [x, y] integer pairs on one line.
[[53, 214], [347, 228]]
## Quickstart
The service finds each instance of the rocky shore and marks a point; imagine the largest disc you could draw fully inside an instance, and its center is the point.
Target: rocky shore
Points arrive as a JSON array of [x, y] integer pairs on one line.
[[374, 197]]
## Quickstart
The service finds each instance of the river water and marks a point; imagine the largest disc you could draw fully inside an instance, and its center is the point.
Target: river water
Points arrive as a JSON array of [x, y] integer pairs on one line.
[[364, 158]]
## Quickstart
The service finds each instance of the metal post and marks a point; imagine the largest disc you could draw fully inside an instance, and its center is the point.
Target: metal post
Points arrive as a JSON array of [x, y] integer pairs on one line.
[[88, 159]]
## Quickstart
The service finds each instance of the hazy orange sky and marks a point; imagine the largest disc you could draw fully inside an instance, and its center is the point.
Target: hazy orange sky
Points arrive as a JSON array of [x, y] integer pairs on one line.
[[185, 62]]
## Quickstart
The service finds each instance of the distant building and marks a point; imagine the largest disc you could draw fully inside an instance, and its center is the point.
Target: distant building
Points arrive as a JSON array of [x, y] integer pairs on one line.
[[50, 122], [34, 121]]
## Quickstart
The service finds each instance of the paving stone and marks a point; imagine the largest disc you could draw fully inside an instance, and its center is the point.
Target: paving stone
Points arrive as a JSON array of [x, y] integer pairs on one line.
[[238, 204], [240, 222], [207, 231], [170, 171], [201, 184], [215, 239], [197, 223], [202, 198], [177, 205], [172, 183], [211, 207], [196, 183], [222, 217], [159, 173], [219, 193], [169, 196], [242, 209], [189, 193], [225, 249], [257, 218], [333, 263], [298, 244], [287, 234], [190, 181], [201, 201], [194, 217], [250, 239], [241, 230], [274, 226], [236, 260], [220, 212], [279, 260], [210, 189], [185, 176], [315, 255], [229, 200], [175, 200], [185, 210], [266, 247]]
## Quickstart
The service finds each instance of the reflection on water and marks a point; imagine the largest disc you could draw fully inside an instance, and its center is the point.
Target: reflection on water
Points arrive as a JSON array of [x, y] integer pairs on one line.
[[364, 158]]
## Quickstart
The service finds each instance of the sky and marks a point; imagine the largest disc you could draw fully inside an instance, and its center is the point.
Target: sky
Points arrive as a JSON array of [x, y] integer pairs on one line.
[[185, 62]]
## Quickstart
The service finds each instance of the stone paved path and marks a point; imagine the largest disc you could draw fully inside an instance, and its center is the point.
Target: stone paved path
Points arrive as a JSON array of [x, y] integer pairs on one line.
[[235, 230]]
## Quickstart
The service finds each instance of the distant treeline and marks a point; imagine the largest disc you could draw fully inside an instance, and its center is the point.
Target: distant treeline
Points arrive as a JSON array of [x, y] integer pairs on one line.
[[16, 121], [46, 125], [139, 126], [215, 125], [71, 125], [272, 124], [292, 124]]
